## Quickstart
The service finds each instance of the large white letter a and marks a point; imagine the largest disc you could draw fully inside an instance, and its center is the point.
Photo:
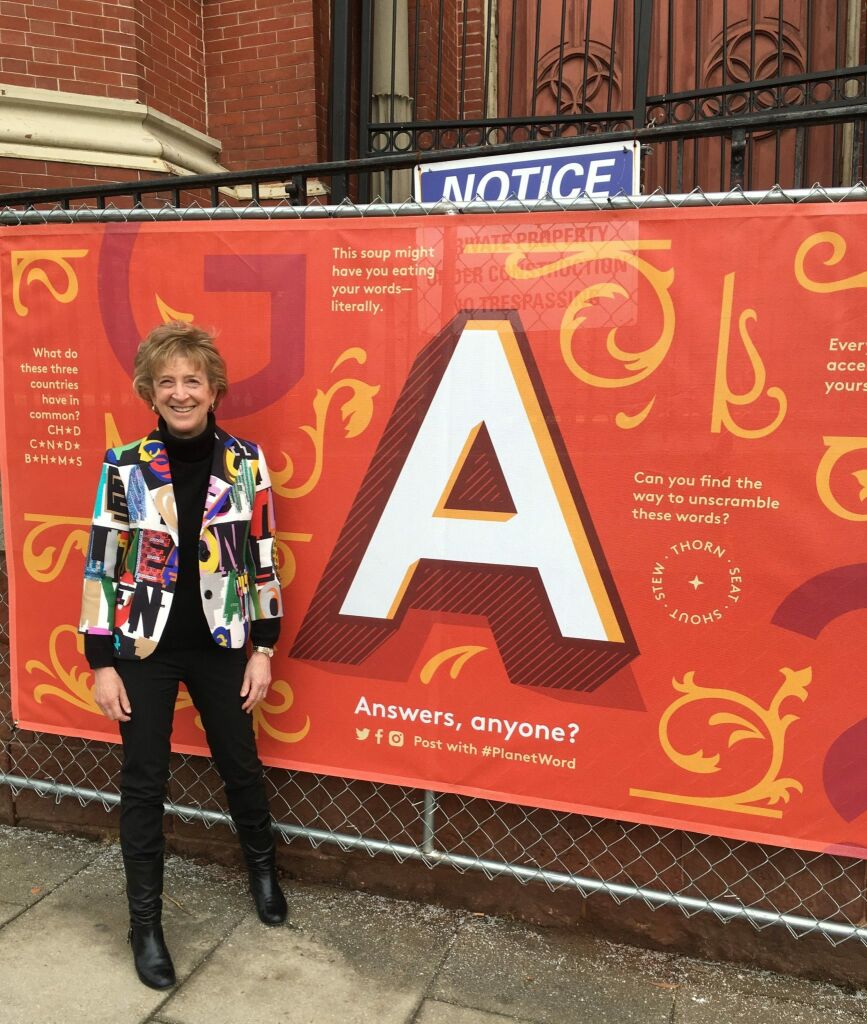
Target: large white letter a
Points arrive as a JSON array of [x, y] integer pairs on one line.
[[482, 514], [485, 383]]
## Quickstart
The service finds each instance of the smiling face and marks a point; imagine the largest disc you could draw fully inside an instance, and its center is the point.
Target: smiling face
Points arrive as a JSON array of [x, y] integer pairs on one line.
[[183, 396]]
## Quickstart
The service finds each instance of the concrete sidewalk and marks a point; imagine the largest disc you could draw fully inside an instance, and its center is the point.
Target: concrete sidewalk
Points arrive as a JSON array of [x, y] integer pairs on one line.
[[348, 957]]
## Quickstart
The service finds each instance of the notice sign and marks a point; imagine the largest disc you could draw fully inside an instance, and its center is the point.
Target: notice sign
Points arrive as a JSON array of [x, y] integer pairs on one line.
[[571, 509], [563, 174]]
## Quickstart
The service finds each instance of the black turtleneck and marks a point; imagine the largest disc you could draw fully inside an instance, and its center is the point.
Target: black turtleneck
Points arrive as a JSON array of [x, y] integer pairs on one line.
[[190, 460]]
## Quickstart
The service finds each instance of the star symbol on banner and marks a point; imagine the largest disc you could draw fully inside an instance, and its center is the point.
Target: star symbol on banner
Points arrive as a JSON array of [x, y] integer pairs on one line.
[[695, 582]]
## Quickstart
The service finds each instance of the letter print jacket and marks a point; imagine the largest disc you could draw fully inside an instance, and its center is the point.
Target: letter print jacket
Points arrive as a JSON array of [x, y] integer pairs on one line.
[[132, 557]]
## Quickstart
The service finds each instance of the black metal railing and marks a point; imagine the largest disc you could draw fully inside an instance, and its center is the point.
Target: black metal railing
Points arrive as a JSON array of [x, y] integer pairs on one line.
[[733, 143], [720, 94], [459, 74]]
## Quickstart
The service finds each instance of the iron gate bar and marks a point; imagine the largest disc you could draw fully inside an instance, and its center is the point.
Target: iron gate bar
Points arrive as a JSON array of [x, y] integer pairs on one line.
[[562, 46], [642, 29], [365, 79], [440, 35], [640, 40], [338, 98], [489, 35], [737, 155], [644, 54], [534, 93]]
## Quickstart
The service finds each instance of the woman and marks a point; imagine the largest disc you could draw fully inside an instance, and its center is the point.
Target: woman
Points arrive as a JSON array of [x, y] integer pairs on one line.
[[180, 577]]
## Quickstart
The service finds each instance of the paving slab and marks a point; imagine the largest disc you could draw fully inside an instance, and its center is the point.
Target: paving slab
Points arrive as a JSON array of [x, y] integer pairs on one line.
[[32, 864], [66, 960], [716, 1007], [717, 983], [553, 977], [348, 958], [434, 1012], [8, 911]]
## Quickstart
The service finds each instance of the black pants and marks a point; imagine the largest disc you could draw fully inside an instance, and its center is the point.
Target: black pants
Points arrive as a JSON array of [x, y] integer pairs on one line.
[[213, 676]]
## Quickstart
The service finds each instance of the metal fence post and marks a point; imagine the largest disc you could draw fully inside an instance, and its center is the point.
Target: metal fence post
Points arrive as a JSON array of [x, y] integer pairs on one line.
[[365, 78], [339, 95], [641, 41], [429, 821], [738, 155]]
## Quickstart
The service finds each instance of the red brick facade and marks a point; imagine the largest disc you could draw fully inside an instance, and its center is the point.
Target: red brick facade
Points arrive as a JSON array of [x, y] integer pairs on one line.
[[251, 73], [170, 55], [450, 85], [82, 46], [21, 175], [265, 80], [436, 86]]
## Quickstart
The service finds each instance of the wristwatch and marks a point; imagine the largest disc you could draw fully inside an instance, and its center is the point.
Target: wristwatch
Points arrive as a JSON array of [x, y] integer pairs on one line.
[[269, 651]]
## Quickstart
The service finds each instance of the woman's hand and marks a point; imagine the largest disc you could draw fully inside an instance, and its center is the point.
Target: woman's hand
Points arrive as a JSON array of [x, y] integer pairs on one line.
[[257, 679], [110, 695]]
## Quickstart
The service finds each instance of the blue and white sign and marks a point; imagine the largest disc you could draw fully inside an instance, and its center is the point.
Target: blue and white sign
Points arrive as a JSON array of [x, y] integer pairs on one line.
[[598, 171]]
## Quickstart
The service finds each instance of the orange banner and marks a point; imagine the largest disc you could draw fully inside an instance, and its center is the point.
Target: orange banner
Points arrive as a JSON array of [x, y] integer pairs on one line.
[[570, 510]]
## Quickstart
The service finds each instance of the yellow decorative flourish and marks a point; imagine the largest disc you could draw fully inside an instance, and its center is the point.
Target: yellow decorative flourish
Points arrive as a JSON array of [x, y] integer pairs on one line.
[[76, 686], [626, 421], [356, 412], [261, 713], [266, 709], [837, 447], [77, 691], [24, 259], [838, 251], [169, 315], [458, 656], [46, 565], [765, 724], [357, 355], [638, 364], [112, 434], [723, 396], [287, 565]]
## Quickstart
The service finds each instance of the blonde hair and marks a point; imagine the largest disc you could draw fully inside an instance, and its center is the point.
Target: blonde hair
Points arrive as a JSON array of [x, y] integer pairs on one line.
[[178, 340]]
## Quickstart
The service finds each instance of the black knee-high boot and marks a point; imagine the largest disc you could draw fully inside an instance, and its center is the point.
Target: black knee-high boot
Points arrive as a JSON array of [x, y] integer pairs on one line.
[[144, 888], [260, 855]]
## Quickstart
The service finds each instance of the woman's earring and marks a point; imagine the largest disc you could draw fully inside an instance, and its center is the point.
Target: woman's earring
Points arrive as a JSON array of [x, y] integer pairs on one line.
[[153, 407], [212, 406]]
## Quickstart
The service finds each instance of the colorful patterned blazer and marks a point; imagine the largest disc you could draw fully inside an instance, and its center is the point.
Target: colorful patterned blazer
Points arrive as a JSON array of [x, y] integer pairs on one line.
[[132, 557]]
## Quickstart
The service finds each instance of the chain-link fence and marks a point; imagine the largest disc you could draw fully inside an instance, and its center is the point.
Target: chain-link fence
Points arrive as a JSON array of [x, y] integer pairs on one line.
[[805, 892]]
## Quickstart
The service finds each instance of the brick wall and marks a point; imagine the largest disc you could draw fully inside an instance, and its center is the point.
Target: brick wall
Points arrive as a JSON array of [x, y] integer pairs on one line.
[[252, 73], [171, 59], [22, 175], [148, 52], [434, 41], [83, 46], [447, 55], [262, 72], [473, 49], [322, 57]]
